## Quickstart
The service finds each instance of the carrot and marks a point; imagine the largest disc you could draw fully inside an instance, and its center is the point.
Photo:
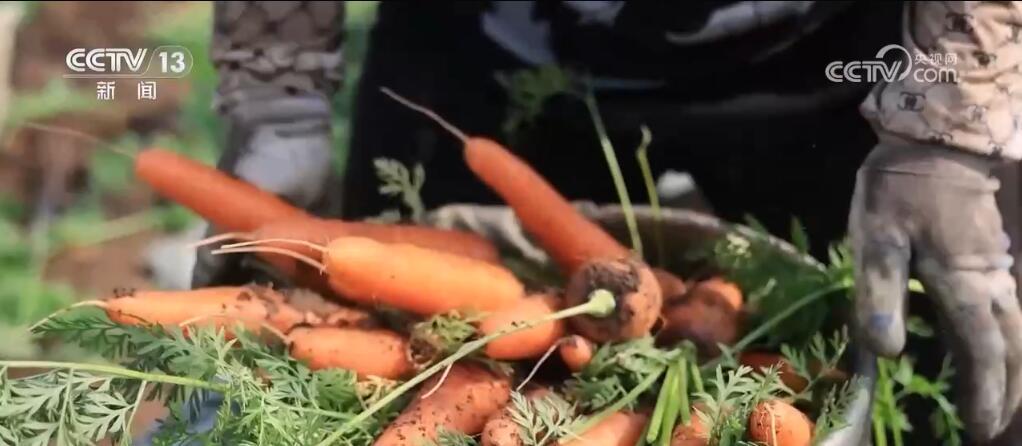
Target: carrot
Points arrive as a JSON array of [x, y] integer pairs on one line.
[[634, 287], [702, 319], [466, 399], [671, 286], [569, 237], [321, 312], [692, 434], [227, 203], [576, 352], [776, 423], [618, 429], [719, 288], [221, 307], [368, 352], [761, 361], [407, 277], [501, 429], [524, 344]]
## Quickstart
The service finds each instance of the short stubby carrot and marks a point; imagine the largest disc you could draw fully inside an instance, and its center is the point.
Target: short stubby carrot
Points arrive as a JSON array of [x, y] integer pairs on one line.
[[222, 307], [618, 429], [367, 352], [694, 433], [719, 288], [525, 344], [225, 202], [635, 290], [468, 396], [671, 286], [776, 423], [576, 352], [569, 237]]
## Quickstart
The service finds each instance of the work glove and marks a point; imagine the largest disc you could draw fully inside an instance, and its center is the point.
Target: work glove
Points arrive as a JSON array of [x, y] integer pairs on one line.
[[281, 144], [934, 207]]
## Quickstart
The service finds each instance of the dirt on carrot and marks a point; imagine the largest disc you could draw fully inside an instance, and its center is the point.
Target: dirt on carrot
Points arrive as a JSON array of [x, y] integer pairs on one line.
[[634, 288], [468, 396], [776, 423]]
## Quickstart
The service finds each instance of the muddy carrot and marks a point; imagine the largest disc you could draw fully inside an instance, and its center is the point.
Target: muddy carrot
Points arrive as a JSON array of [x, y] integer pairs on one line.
[[368, 352], [634, 287], [524, 344], [671, 286], [469, 396], [221, 307], [501, 429], [569, 237], [694, 433]]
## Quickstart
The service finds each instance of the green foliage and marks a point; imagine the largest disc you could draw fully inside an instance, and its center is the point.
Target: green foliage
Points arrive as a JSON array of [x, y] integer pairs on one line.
[[615, 369], [528, 91], [544, 418], [773, 279], [730, 398], [821, 357], [270, 397], [55, 98], [447, 437], [399, 181]]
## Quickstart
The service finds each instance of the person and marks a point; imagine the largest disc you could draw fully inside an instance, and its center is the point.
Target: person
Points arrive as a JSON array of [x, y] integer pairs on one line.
[[735, 93]]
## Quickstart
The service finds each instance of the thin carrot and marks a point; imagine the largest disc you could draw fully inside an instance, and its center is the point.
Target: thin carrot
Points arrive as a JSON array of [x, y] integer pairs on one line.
[[368, 352], [617, 429], [576, 352], [466, 399], [227, 203], [776, 423], [220, 306], [524, 344], [408, 277], [562, 230]]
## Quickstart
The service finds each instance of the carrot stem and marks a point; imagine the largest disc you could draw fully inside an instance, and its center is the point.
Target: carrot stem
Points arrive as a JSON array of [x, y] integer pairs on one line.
[[600, 304], [429, 113], [65, 131], [439, 382], [117, 371], [615, 172], [273, 250], [641, 154]]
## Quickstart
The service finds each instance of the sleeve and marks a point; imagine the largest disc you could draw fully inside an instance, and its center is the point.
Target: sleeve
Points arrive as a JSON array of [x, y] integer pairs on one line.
[[271, 49], [963, 86]]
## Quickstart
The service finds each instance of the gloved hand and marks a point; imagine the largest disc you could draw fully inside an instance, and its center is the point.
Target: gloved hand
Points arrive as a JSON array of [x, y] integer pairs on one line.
[[281, 144], [935, 206]]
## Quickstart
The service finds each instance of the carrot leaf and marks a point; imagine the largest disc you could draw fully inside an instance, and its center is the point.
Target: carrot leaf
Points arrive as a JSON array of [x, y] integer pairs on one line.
[[615, 368], [541, 419], [399, 181], [447, 437]]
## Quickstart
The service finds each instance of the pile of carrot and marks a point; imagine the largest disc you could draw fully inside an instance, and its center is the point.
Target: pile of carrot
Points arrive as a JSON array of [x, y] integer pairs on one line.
[[356, 268]]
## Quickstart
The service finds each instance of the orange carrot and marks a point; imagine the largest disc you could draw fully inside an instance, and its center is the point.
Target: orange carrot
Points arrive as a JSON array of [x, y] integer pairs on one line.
[[671, 286], [569, 237], [761, 361], [719, 288], [501, 429], [634, 288], [222, 307], [618, 429], [227, 203], [368, 352], [707, 322], [576, 352], [524, 344], [692, 434], [776, 423], [407, 277], [466, 399]]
